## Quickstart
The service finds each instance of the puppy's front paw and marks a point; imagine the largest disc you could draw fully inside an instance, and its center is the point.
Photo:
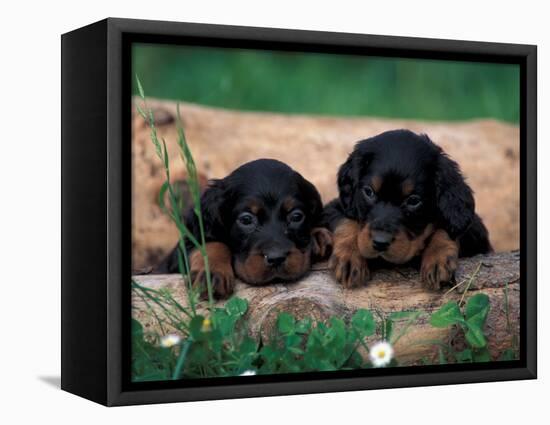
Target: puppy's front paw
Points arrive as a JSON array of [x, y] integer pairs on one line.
[[221, 271], [350, 269], [223, 282], [439, 260], [438, 268]]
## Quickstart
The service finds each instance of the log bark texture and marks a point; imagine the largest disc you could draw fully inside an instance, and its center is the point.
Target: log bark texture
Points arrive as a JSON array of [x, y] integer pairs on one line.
[[319, 296]]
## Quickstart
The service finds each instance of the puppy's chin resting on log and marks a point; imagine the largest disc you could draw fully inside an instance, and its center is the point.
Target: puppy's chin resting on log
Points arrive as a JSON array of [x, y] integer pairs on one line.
[[319, 296]]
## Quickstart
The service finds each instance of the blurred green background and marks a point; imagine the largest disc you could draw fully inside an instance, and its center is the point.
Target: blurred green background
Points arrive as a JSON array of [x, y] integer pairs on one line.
[[328, 84]]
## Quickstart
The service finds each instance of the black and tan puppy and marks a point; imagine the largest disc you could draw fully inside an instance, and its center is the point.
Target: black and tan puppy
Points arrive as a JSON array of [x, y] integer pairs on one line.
[[261, 224], [401, 197]]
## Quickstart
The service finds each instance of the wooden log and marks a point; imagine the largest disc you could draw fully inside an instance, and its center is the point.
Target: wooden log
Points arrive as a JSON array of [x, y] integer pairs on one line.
[[319, 296]]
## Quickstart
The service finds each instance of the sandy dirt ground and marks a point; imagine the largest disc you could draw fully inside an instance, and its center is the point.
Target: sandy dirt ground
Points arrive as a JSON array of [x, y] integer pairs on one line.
[[221, 140]]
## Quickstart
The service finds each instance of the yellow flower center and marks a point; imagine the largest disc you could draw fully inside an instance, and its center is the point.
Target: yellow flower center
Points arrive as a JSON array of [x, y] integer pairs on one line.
[[206, 325], [381, 354]]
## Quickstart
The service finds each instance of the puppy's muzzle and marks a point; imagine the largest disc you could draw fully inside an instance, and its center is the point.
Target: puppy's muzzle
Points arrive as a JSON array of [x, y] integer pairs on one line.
[[384, 225]]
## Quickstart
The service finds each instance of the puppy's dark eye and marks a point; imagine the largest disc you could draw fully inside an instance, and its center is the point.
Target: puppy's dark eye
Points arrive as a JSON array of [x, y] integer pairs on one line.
[[369, 193], [296, 216], [413, 201], [247, 219]]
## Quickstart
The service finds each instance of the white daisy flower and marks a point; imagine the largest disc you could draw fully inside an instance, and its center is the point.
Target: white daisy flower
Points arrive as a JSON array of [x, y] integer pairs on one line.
[[381, 354], [170, 340], [249, 372]]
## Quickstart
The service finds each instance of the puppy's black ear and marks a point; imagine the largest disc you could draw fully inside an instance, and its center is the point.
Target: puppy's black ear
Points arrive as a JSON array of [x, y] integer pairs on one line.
[[349, 175], [346, 182], [455, 201], [315, 205], [212, 205]]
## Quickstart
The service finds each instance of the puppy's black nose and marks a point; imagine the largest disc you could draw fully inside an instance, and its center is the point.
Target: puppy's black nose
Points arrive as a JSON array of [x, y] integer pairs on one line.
[[381, 240], [275, 257]]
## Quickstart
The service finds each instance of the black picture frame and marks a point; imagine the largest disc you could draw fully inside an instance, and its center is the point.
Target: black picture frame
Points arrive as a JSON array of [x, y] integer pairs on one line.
[[96, 210]]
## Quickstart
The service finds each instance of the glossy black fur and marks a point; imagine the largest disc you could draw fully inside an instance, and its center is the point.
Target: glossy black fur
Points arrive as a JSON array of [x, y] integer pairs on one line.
[[396, 156], [265, 181]]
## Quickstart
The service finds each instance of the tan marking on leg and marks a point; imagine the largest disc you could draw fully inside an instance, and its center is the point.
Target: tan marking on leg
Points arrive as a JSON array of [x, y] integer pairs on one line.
[[350, 268], [221, 271]]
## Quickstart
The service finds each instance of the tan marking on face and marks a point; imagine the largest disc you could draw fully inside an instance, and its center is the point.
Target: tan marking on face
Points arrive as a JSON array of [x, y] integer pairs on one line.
[[289, 204], [376, 183], [254, 271], [297, 263], [407, 187], [254, 207], [404, 249], [401, 250]]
